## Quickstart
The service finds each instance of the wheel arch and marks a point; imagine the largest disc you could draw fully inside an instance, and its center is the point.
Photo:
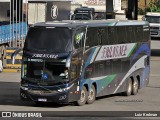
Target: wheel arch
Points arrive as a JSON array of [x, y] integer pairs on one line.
[[86, 85], [138, 78], [95, 86]]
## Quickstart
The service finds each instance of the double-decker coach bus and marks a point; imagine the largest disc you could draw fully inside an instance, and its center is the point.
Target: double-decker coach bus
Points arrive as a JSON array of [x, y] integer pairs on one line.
[[77, 61]]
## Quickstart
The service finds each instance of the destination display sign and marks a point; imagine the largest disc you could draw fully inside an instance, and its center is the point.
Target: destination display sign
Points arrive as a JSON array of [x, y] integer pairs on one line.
[[115, 51]]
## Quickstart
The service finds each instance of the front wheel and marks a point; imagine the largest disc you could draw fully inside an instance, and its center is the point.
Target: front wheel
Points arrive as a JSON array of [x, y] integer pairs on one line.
[[83, 97], [92, 95]]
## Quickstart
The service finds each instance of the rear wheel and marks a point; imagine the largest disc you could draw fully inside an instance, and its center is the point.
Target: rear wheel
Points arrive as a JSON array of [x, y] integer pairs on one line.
[[3, 55], [83, 97], [135, 87], [129, 88], [92, 95]]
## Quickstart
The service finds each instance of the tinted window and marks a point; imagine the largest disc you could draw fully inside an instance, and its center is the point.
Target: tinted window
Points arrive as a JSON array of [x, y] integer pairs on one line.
[[112, 37], [121, 34], [105, 36], [49, 39], [82, 17], [125, 65], [108, 67], [130, 33], [92, 37], [146, 33], [116, 66], [139, 33], [153, 19], [89, 71]]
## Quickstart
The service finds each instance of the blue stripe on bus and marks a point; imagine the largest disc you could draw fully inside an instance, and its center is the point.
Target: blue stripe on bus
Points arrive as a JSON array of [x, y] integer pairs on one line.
[[88, 62], [142, 48]]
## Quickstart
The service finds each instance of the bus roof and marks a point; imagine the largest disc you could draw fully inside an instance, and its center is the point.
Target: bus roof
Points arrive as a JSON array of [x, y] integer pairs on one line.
[[91, 23]]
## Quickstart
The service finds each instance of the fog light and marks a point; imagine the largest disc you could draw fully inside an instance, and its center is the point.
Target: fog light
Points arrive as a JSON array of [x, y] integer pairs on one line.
[[24, 88]]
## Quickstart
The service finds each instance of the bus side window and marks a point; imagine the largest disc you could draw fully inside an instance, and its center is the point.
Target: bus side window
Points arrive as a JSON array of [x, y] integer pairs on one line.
[[92, 37], [116, 66], [139, 33], [125, 65], [101, 36], [112, 37], [105, 36], [121, 34], [130, 33], [89, 71], [97, 37], [108, 67], [101, 69], [96, 70], [146, 34], [89, 41]]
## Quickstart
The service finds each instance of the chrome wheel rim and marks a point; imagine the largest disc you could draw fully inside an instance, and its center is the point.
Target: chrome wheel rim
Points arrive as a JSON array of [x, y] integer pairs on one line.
[[83, 95], [91, 94], [135, 85], [129, 88]]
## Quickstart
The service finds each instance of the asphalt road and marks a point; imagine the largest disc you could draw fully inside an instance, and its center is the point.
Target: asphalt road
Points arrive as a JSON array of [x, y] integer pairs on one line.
[[148, 98]]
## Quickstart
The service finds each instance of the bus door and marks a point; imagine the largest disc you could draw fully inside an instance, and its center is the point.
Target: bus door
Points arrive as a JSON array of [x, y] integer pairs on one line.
[[77, 62]]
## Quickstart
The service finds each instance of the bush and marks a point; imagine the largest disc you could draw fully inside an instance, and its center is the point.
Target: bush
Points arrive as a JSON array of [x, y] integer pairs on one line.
[[154, 6], [141, 11]]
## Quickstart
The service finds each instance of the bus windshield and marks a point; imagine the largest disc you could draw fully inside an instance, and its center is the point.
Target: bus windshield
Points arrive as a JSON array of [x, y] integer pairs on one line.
[[50, 39], [82, 17], [42, 71], [153, 19]]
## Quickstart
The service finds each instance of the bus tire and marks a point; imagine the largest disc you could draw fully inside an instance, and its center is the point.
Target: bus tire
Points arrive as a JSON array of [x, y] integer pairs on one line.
[[135, 87], [83, 97], [129, 88], [1, 52], [91, 95]]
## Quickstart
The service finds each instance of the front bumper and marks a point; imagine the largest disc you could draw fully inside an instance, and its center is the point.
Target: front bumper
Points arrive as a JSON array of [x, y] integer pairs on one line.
[[60, 97]]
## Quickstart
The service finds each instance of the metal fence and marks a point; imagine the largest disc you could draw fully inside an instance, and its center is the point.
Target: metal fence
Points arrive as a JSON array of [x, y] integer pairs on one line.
[[14, 29]]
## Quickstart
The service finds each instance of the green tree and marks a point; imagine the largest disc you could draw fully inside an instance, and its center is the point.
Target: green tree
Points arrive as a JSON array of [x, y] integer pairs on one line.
[[154, 6]]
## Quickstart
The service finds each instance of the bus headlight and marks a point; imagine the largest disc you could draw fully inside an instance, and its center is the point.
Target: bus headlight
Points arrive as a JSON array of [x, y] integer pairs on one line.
[[24, 88], [65, 89]]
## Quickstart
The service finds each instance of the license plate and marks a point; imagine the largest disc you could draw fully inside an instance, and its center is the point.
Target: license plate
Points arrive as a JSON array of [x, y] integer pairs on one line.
[[42, 99]]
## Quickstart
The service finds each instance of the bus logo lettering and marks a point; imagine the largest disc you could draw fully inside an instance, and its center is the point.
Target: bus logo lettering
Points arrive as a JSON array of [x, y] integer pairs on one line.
[[114, 51], [44, 56]]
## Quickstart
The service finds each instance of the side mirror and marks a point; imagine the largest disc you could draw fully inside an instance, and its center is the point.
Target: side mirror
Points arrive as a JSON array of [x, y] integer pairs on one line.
[[13, 56]]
